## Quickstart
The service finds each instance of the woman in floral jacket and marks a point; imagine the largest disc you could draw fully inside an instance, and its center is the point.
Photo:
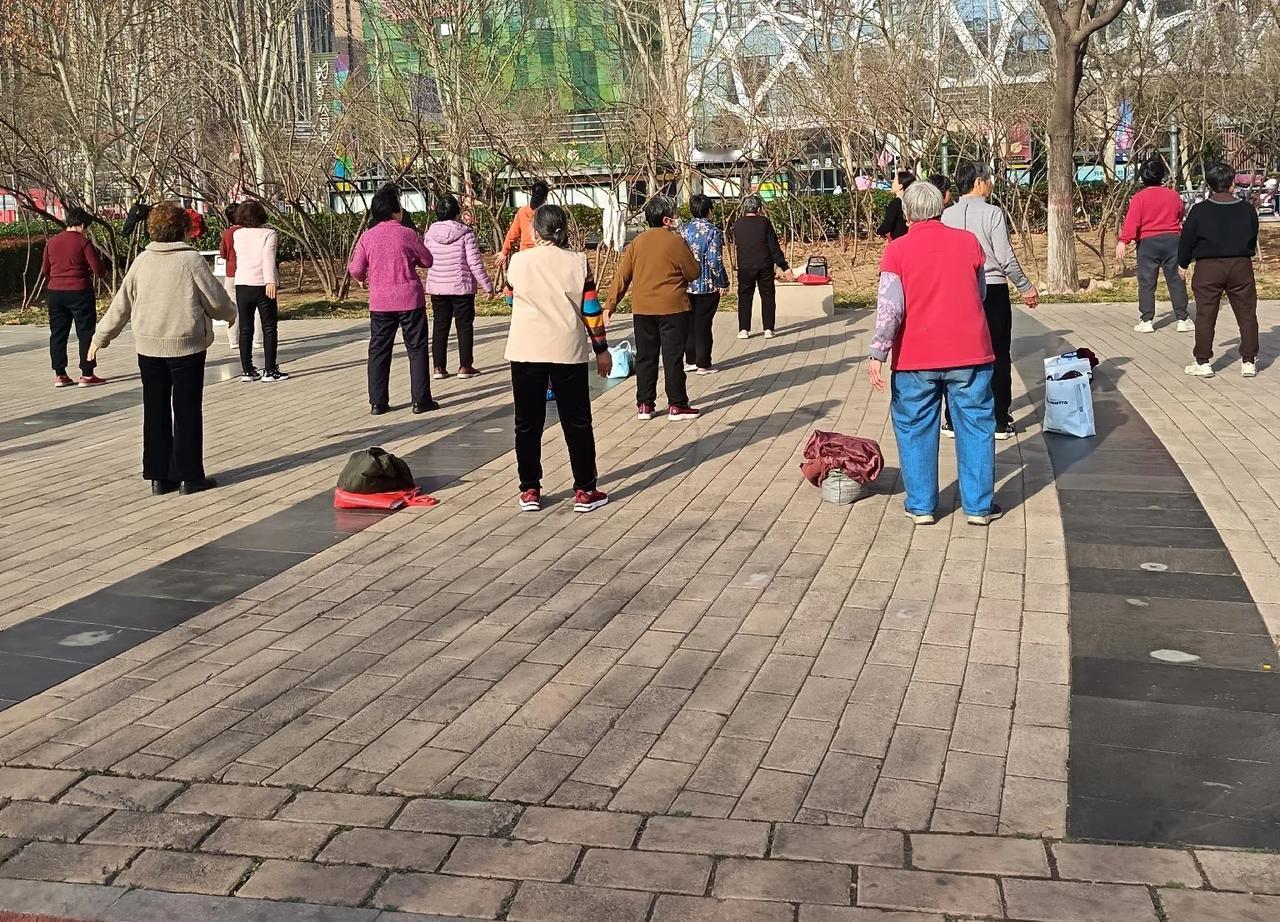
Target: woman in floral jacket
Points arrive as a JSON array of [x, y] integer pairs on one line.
[[707, 243]]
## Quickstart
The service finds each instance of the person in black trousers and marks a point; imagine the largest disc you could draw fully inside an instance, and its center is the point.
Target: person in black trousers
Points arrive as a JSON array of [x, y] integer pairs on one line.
[[707, 244], [70, 264], [387, 257], [171, 298], [257, 278], [457, 270], [759, 253]]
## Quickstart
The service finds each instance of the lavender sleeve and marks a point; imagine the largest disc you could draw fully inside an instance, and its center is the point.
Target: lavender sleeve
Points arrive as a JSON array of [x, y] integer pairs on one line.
[[890, 309]]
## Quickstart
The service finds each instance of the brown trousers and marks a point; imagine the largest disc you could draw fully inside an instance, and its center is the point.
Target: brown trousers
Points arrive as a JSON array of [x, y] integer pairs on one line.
[[1232, 276]]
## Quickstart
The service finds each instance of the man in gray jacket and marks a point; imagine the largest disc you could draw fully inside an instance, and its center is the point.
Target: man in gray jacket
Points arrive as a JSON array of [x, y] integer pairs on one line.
[[972, 212]]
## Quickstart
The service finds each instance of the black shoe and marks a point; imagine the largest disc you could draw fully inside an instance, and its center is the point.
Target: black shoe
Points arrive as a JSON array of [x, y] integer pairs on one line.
[[274, 374], [161, 487], [251, 376], [375, 410], [426, 407], [197, 486]]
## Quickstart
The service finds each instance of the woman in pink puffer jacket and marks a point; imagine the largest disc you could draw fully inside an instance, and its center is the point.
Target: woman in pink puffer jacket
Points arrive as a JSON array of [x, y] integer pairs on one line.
[[456, 271]]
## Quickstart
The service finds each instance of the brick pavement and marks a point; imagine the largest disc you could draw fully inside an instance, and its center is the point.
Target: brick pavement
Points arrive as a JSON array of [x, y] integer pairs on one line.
[[715, 665]]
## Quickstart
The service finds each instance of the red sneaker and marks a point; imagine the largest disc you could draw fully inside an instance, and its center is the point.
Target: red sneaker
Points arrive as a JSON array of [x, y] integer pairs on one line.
[[586, 500], [674, 412], [531, 500], [466, 371], [62, 381], [644, 411], [91, 381]]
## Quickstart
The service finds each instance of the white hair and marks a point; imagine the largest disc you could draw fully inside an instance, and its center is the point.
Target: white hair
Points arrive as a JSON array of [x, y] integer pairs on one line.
[[921, 201]]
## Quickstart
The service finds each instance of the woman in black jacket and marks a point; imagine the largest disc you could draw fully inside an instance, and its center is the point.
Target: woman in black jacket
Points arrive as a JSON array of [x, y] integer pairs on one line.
[[894, 224]]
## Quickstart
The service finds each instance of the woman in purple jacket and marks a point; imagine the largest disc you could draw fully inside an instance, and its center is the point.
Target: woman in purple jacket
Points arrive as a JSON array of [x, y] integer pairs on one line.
[[456, 271], [387, 257]]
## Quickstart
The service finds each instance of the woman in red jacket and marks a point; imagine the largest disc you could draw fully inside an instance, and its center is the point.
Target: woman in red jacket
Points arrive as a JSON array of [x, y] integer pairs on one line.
[[1153, 222]]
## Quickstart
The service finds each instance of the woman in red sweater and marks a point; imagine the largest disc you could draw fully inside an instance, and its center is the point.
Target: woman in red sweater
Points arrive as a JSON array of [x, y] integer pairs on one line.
[[70, 263], [1154, 221]]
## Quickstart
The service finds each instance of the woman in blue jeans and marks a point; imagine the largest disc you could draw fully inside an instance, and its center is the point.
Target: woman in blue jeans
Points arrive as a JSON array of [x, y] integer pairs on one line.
[[929, 315]]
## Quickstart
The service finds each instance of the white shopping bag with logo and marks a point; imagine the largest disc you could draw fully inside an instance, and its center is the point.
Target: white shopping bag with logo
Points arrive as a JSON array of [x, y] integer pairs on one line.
[[1068, 403]]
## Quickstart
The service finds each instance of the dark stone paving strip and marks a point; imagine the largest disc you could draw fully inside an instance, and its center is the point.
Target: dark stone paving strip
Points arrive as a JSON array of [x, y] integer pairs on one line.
[[45, 651], [1175, 728]]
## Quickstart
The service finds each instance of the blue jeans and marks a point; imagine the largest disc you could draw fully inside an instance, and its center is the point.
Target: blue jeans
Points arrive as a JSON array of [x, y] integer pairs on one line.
[[916, 409]]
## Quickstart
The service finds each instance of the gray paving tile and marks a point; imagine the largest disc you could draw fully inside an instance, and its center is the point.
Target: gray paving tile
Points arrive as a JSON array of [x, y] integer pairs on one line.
[[87, 901], [153, 906]]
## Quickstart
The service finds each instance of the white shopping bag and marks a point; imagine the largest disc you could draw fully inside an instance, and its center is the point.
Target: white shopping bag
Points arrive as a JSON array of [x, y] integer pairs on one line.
[[1068, 403]]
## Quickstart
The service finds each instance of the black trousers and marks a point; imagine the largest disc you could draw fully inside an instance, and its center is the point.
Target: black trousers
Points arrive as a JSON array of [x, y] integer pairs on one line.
[[572, 387], [1156, 254], [172, 417], [382, 339], [665, 336], [697, 350], [447, 308], [999, 310], [748, 281], [251, 299], [65, 308]]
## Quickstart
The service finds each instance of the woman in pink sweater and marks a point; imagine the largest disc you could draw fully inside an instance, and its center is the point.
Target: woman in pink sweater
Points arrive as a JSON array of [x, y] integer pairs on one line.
[[456, 271], [387, 257], [256, 275]]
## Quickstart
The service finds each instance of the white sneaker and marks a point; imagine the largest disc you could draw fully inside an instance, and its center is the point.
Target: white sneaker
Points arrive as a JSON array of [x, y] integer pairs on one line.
[[1199, 370], [688, 368], [1248, 369], [1186, 326], [743, 334], [768, 334], [706, 371], [921, 518], [1145, 326]]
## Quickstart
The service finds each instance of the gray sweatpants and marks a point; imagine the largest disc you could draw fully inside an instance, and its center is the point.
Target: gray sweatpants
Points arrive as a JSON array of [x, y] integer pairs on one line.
[[1156, 254]]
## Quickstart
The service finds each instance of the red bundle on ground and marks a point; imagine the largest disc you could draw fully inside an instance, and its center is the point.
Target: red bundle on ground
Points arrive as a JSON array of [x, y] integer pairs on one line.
[[858, 458]]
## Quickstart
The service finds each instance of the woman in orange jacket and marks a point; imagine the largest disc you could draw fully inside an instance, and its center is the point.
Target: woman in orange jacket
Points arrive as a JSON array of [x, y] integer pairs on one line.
[[520, 233]]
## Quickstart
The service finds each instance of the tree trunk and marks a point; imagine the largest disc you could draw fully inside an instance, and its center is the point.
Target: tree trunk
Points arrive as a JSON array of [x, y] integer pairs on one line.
[[1062, 272]]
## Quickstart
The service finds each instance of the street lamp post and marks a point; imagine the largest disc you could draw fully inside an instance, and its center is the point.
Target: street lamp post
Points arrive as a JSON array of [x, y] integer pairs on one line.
[[1175, 165]]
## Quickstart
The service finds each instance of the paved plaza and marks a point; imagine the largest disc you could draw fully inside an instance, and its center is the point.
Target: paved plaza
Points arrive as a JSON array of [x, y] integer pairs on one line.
[[717, 698]]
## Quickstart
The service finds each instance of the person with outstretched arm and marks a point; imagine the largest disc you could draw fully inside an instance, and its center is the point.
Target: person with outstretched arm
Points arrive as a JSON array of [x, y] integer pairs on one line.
[[987, 222], [520, 234]]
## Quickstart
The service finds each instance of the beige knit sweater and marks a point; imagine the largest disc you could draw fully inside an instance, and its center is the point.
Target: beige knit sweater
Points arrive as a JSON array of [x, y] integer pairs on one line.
[[171, 298]]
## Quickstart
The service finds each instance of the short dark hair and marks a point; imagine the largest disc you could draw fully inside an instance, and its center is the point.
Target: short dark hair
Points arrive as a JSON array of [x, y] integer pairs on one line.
[[968, 173], [77, 217], [168, 222], [251, 214], [1220, 176], [660, 208], [230, 213], [905, 178], [538, 194], [700, 206], [447, 208], [551, 223], [385, 204], [1153, 172], [943, 184]]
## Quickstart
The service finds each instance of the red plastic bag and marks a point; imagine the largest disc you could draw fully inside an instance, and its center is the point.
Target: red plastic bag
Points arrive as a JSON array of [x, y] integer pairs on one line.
[[859, 458], [396, 499]]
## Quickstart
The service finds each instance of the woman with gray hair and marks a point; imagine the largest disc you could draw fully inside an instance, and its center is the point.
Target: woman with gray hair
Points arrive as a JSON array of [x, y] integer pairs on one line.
[[934, 277]]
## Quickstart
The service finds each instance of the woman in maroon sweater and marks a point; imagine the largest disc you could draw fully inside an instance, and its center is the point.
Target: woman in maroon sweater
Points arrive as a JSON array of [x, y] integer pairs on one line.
[[70, 263]]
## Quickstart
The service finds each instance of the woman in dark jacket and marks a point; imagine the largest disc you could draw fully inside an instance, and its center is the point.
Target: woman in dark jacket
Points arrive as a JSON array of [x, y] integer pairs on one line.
[[894, 224]]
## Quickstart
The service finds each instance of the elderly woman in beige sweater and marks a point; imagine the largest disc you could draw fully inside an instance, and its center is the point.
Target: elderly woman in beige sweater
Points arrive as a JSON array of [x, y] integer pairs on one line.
[[172, 298]]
